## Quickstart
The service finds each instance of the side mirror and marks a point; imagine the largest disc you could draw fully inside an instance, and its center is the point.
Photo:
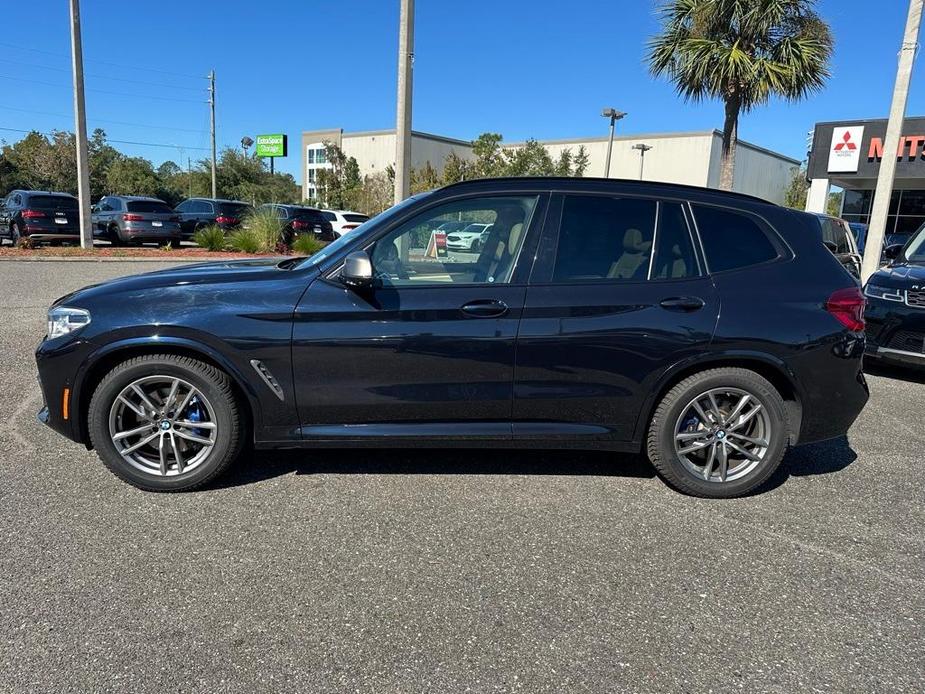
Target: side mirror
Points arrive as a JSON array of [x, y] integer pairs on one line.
[[893, 252], [358, 270], [831, 246]]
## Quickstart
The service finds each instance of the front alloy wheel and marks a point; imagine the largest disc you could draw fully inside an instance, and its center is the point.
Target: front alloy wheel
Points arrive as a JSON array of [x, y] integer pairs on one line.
[[165, 422], [162, 425]]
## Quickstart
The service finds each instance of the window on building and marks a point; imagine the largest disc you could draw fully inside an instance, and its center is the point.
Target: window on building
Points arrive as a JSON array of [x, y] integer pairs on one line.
[[604, 239], [731, 239], [321, 156], [310, 154]]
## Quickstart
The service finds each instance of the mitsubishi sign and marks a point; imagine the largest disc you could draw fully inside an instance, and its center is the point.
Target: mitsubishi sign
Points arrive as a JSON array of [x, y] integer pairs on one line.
[[851, 150], [845, 150]]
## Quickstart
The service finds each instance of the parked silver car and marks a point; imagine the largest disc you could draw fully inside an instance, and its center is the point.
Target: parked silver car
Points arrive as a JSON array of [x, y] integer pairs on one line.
[[124, 219]]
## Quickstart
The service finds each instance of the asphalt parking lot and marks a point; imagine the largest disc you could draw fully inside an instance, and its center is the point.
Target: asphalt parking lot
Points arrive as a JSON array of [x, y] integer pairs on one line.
[[376, 571]]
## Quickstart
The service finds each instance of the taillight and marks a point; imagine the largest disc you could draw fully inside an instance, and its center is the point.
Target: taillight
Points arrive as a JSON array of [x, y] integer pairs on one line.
[[132, 218], [298, 225], [33, 214], [847, 305], [348, 227], [222, 219]]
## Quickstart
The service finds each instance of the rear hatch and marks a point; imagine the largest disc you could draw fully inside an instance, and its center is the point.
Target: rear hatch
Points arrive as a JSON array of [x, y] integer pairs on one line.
[[151, 215], [60, 214]]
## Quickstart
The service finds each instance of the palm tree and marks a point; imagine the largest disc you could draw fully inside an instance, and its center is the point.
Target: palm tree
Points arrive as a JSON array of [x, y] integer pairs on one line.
[[743, 52]]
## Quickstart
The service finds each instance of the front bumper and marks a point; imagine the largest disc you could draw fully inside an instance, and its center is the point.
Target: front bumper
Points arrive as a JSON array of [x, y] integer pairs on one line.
[[59, 367], [895, 332]]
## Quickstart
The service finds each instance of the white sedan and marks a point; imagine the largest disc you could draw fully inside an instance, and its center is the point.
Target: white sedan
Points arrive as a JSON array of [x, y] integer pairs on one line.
[[344, 221], [470, 238]]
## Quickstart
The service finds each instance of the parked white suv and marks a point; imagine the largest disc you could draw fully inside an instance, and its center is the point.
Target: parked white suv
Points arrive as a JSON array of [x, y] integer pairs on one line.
[[344, 221]]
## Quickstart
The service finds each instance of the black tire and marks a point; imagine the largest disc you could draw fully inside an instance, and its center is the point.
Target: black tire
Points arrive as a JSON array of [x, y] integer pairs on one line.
[[661, 436], [213, 383], [114, 236], [15, 234]]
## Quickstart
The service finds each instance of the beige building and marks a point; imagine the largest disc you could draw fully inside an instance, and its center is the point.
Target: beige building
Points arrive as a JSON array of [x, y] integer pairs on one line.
[[690, 158]]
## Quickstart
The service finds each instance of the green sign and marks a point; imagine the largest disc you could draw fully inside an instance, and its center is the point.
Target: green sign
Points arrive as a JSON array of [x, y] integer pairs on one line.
[[272, 145]]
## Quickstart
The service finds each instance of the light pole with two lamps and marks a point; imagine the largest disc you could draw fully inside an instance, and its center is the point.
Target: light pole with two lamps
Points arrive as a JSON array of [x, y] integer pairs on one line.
[[614, 115], [643, 148]]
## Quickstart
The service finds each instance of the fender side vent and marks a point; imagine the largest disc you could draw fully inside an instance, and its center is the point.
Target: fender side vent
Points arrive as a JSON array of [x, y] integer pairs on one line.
[[268, 378]]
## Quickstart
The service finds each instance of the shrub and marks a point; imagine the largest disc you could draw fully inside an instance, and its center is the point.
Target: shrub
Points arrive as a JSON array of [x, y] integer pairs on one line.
[[26, 243], [245, 241], [212, 238], [167, 246], [306, 244], [265, 228]]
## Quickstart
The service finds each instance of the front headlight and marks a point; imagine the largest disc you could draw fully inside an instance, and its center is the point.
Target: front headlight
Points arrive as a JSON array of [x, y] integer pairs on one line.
[[875, 291], [63, 321]]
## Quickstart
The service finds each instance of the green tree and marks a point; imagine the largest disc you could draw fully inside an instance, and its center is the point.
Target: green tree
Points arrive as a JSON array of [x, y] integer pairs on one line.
[[102, 155], [797, 189], [742, 53], [425, 178], [833, 204], [456, 169], [533, 159], [131, 176], [489, 156], [580, 165]]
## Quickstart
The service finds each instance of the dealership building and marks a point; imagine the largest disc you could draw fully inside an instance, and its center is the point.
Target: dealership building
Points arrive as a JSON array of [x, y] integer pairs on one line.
[[691, 158], [847, 154]]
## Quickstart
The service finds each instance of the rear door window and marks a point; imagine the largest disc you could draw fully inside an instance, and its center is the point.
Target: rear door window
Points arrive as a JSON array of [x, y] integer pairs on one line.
[[731, 239], [674, 251], [604, 239]]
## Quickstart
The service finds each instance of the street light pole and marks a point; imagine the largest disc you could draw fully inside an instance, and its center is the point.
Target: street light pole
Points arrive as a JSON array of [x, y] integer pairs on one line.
[[887, 174], [643, 148], [614, 115], [80, 130], [403, 110], [212, 128]]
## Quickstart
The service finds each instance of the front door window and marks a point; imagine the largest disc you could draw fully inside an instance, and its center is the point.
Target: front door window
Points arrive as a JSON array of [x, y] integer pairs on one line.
[[475, 241]]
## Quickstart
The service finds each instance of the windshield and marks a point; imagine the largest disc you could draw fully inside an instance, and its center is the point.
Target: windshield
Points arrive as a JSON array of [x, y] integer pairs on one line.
[[915, 250], [53, 202], [150, 206], [369, 227]]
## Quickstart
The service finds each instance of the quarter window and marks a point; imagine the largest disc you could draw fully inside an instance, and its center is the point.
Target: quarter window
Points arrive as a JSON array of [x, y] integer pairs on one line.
[[732, 240], [605, 239], [483, 247]]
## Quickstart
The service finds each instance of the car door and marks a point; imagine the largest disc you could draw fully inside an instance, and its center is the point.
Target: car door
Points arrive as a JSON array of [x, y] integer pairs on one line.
[[428, 350], [618, 296], [184, 211]]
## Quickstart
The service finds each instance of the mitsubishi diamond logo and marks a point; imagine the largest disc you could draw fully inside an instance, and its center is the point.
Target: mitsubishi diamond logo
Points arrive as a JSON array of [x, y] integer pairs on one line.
[[846, 149]]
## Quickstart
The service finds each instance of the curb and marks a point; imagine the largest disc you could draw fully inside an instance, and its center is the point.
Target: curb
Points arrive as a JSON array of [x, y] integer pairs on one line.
[[110, 259]]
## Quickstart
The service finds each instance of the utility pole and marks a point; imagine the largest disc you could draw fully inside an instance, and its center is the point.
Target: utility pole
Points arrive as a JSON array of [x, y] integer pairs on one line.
[[643, 148], [80, 130], [189, 177], [212, 127], [887, 174], [403, 111], [614, 115]]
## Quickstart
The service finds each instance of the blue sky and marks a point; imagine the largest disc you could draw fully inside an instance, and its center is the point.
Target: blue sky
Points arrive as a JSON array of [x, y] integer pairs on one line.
[[524, 68]]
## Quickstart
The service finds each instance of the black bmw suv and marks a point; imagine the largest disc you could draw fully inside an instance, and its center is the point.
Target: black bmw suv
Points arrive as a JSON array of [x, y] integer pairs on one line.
[[710, 330], [896, 305]]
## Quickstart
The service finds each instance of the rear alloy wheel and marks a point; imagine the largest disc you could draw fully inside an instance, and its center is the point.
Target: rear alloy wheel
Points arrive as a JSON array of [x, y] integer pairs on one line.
[[114, 238], [720, 433], [165, 423]]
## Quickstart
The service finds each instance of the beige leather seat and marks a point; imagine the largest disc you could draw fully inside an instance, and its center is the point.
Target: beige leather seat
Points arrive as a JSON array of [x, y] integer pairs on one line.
[[499, 259], [635, 257]]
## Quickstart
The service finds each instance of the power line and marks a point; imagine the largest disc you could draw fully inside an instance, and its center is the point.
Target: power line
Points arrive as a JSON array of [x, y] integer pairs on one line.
[[104, 120], [104, 77], [104, 62], [104, 91], [121, 142]]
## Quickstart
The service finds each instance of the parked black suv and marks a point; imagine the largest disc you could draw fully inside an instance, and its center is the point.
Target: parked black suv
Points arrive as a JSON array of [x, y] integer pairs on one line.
[[896, 305], [198, 213], [130, 219], [298, 219], [40, 216], [711, 330]]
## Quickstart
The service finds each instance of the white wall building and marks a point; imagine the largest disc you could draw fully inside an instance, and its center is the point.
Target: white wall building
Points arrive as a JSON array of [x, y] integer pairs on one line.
[[690, 158]]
